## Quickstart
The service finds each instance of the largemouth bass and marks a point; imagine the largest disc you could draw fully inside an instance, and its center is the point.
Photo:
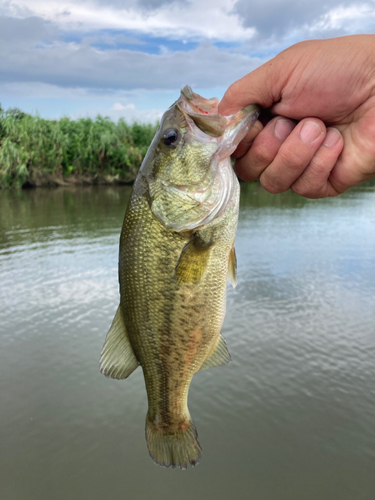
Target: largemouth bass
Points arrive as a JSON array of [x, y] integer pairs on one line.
[[176, 252]]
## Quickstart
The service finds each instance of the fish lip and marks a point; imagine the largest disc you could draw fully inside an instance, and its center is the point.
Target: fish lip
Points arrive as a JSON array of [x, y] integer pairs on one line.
[[212, 124], [207, 106]]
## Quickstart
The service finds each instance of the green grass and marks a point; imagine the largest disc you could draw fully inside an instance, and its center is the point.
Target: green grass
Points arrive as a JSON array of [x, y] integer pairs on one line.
[[31, 147]]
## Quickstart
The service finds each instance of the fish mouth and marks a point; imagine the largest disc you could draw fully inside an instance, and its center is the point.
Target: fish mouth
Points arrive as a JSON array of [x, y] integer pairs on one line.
[[203, 112], [207, 125], [201, 104], [204, 125]]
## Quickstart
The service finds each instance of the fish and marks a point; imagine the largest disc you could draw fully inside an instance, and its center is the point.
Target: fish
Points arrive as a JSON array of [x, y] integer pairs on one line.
[[176, 254]]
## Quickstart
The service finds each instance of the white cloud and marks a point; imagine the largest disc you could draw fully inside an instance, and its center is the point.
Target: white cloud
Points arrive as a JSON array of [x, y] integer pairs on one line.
[[120, 107], [216, 20], [129, 112], [352, 18], [84, 66], [190, 20], [73, 50], [276, 20]]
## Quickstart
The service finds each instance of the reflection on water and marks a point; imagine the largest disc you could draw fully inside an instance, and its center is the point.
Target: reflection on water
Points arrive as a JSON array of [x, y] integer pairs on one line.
[[292, 417]]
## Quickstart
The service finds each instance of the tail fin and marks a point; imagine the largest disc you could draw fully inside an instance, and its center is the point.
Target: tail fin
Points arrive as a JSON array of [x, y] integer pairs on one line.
[[170, 448]]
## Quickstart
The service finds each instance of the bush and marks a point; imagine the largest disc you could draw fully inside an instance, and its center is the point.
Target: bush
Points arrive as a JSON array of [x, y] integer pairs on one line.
[[30, 146]]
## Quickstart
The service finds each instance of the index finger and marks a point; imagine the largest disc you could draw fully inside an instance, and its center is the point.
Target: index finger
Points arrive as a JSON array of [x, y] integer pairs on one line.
[[262, 86]]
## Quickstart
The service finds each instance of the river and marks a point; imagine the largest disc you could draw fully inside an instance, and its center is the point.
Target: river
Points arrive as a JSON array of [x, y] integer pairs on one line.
[[291, 418]]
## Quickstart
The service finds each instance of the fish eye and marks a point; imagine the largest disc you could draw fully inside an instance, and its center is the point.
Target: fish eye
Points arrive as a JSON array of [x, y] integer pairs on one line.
[[171, 136]]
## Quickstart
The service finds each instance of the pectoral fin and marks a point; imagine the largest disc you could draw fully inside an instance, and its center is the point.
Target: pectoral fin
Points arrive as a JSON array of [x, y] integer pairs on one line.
[[232, 267], [193, 261], [219, 355], [118, 359]]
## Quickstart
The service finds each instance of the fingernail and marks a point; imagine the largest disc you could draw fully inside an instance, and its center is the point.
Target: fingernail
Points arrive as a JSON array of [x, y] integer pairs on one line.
[[283, 128], [332, 137], [309, 132]]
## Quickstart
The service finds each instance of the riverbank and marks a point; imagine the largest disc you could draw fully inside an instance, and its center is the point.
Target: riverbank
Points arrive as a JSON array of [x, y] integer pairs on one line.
[[35, 152], [49, 180]]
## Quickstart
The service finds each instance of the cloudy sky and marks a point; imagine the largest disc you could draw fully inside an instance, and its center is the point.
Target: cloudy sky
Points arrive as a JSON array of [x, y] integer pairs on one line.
[[130, 57]]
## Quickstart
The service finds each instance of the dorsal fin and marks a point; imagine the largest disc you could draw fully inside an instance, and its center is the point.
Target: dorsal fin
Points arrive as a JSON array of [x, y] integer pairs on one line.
[[219, 355], [118, 359]]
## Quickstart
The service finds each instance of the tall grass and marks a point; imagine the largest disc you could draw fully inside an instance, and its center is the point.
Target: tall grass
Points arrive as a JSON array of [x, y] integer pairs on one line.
[[31, 147]]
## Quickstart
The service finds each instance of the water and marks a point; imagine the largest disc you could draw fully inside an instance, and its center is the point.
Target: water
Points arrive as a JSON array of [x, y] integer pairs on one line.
[[292, 417]]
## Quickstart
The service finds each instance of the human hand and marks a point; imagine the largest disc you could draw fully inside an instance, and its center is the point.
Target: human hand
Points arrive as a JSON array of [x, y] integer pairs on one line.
[[322, 139]]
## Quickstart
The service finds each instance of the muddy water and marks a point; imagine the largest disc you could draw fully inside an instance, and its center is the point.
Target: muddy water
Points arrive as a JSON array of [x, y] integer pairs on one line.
[[292, 417]]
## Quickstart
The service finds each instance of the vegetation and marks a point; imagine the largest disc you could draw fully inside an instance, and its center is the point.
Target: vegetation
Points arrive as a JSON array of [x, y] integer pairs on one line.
[[36, 151]]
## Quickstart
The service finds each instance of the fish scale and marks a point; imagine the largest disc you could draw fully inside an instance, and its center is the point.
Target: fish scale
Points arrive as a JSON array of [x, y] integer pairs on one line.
[[173, 270]]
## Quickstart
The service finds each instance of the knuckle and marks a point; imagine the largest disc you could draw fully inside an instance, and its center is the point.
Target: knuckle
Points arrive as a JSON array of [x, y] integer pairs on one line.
[[291, 160], [301, 189], [306, 189], [246, 175], [369, 144], [319, 166], [262, 155], [271, 185], [245, 170], [306, 193], [272, 189]]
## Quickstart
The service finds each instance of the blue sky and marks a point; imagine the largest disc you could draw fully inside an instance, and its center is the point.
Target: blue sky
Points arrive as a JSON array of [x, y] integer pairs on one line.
[[129, 58]]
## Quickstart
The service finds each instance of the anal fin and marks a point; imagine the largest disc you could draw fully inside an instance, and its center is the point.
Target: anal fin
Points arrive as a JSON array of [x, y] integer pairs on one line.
[[117, 359], [219, 355]]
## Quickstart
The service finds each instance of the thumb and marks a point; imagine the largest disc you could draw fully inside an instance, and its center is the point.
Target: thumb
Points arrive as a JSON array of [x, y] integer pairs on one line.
[[262, 86]]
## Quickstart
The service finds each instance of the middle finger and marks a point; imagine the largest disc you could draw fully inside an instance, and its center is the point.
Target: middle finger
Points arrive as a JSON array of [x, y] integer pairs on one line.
[[294, 155], [263, 149]]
